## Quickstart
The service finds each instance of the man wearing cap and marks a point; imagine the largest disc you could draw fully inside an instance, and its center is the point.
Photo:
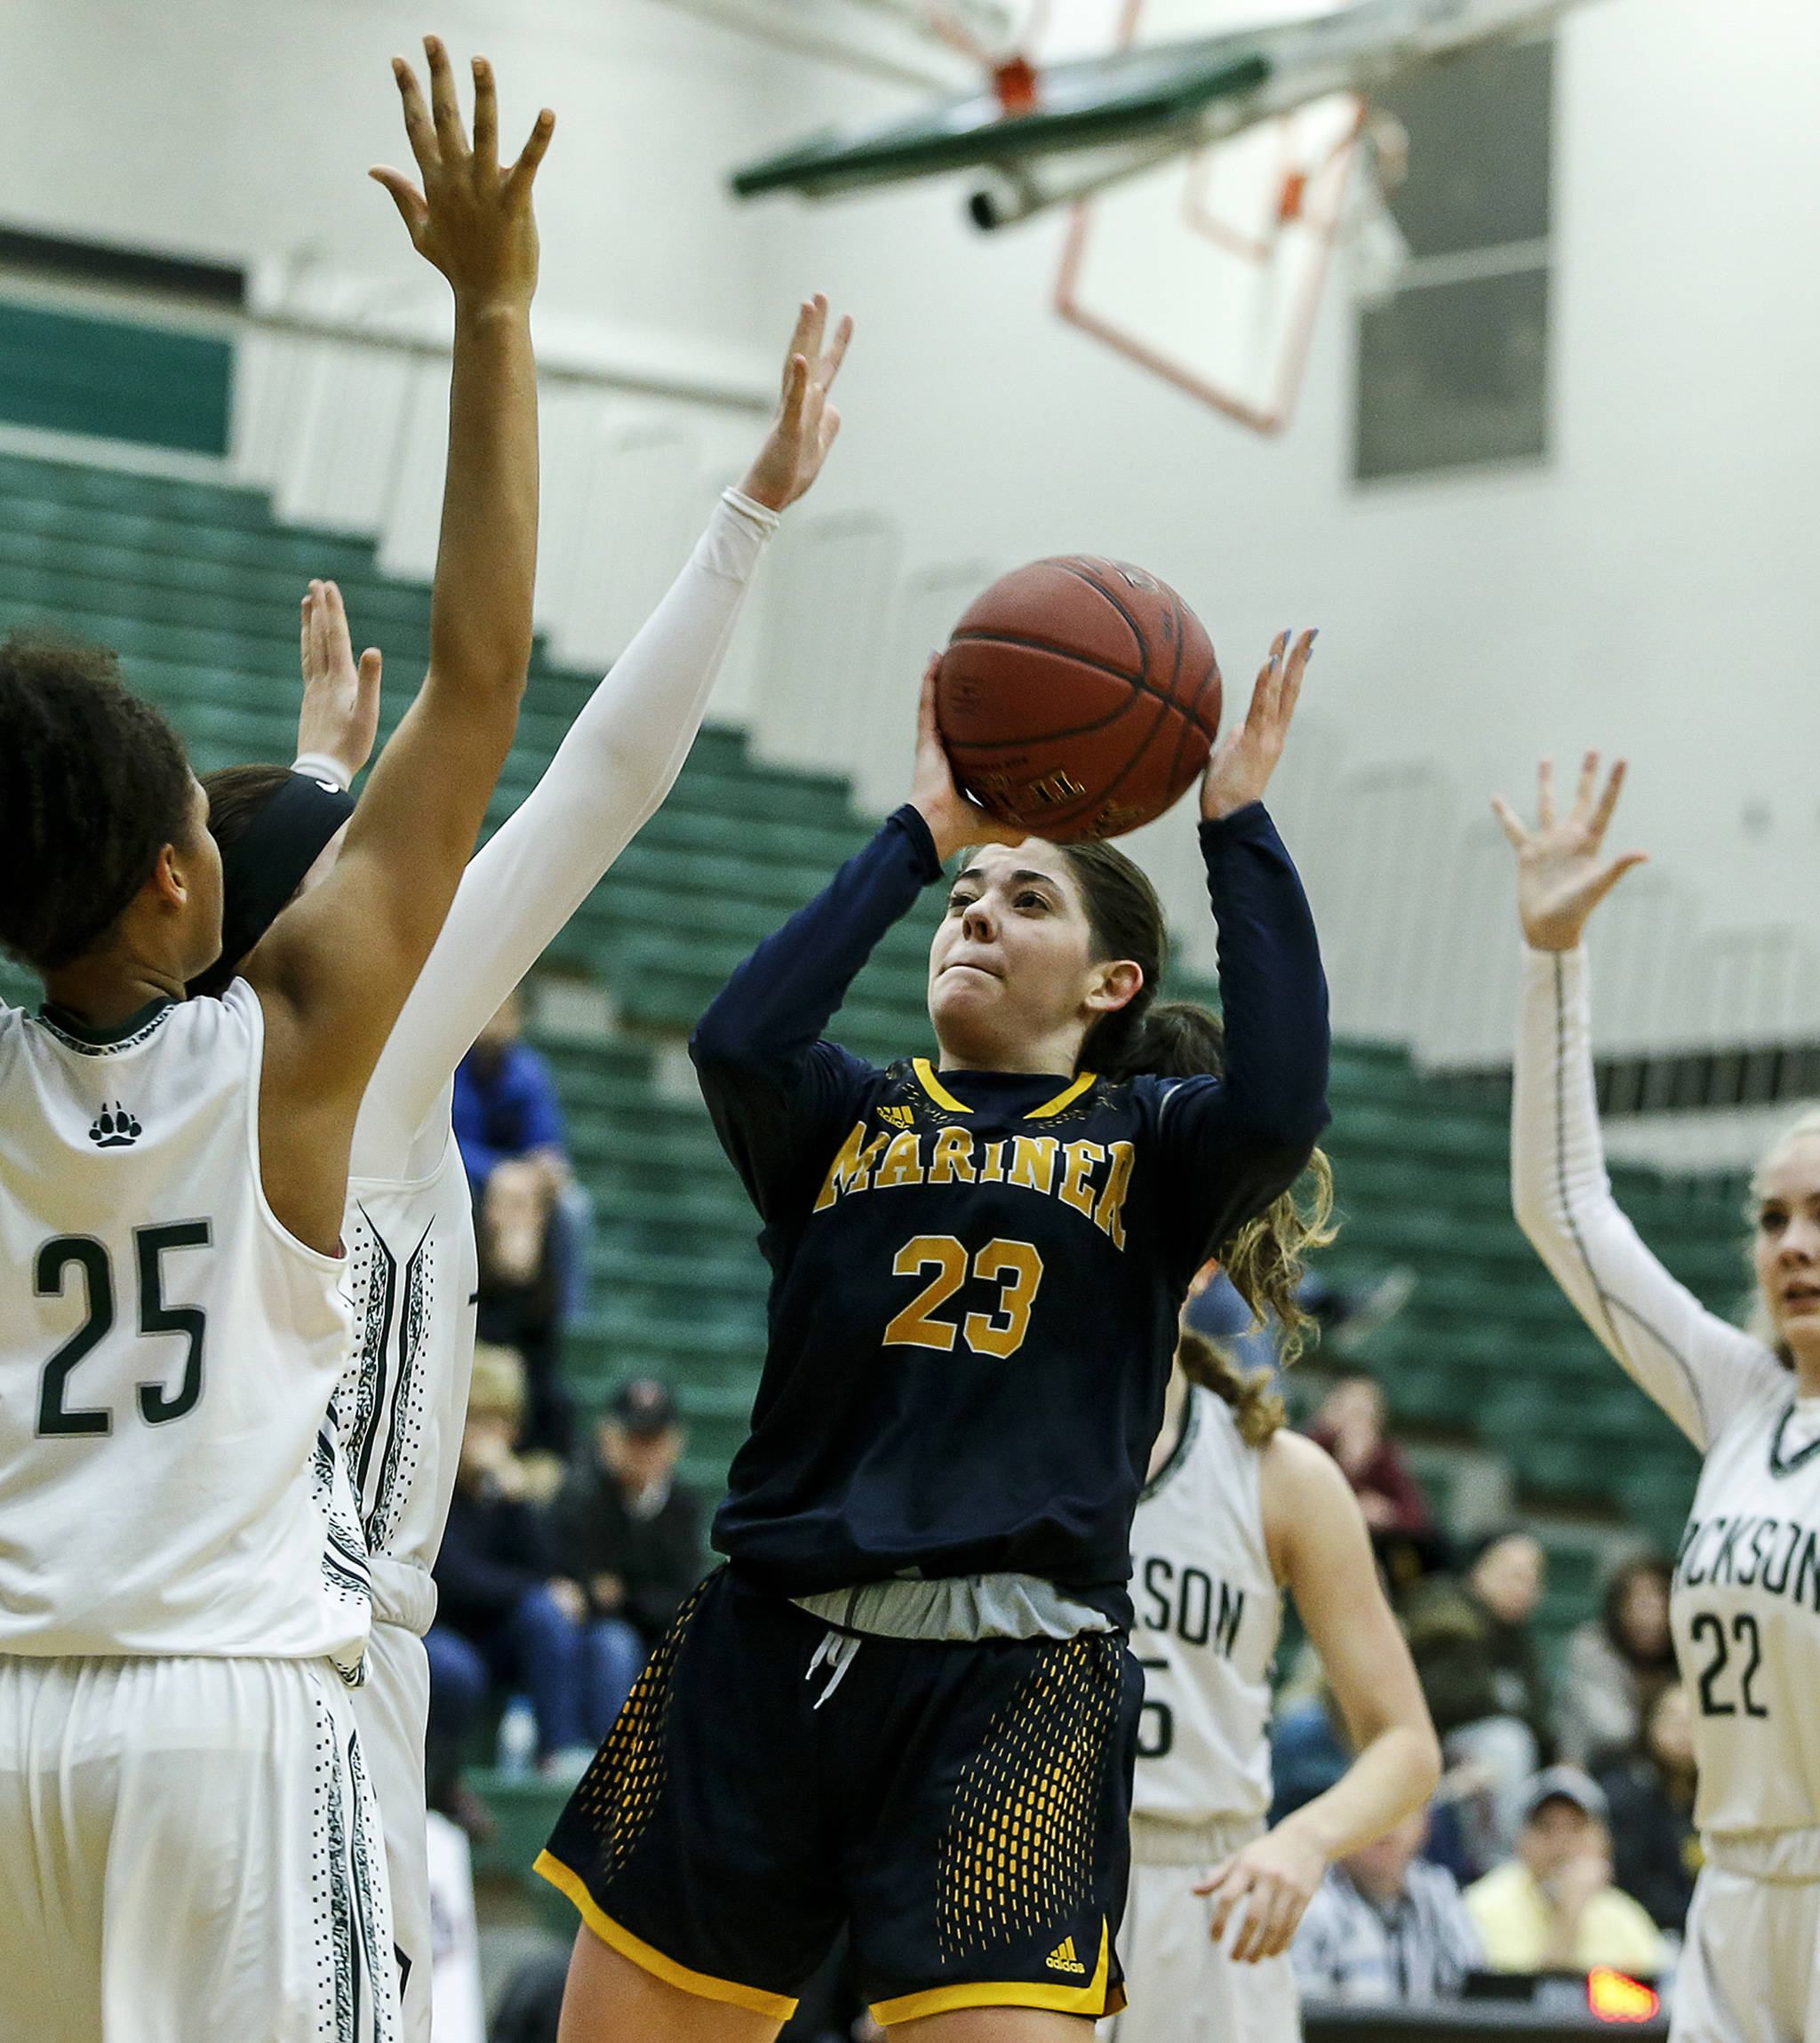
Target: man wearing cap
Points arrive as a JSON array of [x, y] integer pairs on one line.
[[1553, 1908], [630, 1532]]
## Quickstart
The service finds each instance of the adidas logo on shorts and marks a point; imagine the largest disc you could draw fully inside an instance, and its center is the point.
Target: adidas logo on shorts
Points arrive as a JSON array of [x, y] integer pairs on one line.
[[115, 1128], [1062, 1959]]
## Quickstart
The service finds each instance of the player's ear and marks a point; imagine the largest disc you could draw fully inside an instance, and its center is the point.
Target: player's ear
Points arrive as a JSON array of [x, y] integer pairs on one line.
[[1116, 983]]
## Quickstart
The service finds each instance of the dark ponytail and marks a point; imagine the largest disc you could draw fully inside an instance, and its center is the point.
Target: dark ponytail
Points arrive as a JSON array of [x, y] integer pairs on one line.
[[1177, 1039]]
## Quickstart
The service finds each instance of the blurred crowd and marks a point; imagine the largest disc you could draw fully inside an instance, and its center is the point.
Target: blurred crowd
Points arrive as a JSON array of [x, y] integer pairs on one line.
[[1562, 1838], [568, 1550]]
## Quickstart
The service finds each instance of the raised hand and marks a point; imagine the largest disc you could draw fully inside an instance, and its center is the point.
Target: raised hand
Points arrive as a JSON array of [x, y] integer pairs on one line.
[[472, 220], [340, 714], [1562, 873], [1246, 757], [806, 423], [952, 819]]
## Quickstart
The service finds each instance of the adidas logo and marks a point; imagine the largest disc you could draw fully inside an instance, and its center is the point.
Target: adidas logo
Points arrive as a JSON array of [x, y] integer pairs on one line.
[[114, 1127], [898, 1116], [1062, 1959]]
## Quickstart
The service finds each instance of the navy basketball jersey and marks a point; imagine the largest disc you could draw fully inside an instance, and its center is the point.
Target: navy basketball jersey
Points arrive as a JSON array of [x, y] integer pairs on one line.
[[977, 1275]]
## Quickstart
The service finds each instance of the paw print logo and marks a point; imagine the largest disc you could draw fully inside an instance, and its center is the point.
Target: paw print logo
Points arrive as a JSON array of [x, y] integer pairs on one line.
[[115, 1128]]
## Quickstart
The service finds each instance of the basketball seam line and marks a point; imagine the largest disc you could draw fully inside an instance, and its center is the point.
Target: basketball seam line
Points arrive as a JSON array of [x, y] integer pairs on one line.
[[1136, 685]]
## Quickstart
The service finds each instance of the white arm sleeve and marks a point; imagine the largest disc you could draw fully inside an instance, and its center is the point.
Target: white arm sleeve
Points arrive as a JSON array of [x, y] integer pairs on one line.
[[619, 760], [1698, 1367]]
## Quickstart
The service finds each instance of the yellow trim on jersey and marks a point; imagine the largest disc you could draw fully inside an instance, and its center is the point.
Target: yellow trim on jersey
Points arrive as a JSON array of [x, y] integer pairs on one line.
[[1063, 1100], [942, 1096], [779, 2007], [1092, 2000], [936, 1090]]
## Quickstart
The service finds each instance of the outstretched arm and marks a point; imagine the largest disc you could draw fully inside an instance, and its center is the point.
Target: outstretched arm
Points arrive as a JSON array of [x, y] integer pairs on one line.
[[775, 1090], [609, 776], [1695, 1365], [334, 970], [1230, 1146], [1318, 1540]]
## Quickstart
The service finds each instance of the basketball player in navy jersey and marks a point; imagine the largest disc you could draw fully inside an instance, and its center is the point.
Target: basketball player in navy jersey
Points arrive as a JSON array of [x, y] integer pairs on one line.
[[906, 1704]]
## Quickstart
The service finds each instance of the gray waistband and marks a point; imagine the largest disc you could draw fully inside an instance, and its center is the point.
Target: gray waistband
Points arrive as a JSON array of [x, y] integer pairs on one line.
[[958, 1610], [1157, 1841], [1792, 1855]]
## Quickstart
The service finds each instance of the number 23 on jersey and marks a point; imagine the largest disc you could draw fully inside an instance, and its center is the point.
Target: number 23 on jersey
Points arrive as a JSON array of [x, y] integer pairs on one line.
[[1014, 1266]]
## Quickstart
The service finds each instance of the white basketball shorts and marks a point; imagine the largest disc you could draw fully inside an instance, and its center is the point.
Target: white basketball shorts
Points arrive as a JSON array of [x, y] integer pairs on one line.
[[1182, 1987], [1750, 1970], [391, 1711], [189, 1853]]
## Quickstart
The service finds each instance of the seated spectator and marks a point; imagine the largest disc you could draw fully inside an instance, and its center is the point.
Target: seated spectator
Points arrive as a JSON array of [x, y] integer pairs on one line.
[[1386, 1928], [1552, 1907], [510, 1126], [1655, 1850], [504, 1614], [1476, 1655], [1350, 1425], [630, 1534], [1617, 1663]]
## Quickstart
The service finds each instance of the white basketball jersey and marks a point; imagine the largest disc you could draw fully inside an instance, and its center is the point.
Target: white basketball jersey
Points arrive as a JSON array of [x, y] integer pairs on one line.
[[167, 1353], [1745, 1607], [1209, 1613], [412, 1274]]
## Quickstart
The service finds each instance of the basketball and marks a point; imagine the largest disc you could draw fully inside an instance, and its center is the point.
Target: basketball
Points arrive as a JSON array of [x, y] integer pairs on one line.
[[1078, 699]]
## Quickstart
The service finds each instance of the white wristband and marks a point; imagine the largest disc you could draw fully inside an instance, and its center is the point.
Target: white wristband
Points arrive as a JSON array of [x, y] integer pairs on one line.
[[319, 766]]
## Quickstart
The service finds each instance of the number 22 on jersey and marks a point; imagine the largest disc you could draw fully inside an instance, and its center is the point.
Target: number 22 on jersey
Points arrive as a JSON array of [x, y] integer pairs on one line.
[[1015, 1266]]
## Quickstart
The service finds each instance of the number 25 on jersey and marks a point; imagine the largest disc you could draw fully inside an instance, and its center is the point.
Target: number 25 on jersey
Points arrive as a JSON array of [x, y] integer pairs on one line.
[[1015, 1266], [51, 1271]]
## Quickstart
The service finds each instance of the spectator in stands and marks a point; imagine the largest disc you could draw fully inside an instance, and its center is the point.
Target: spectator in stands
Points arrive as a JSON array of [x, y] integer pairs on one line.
[[1475, 1653], [1552, 1907], [1617, 1663], [1350, 1425], [503, 1612], [1386, 1928], [509, 1125], [630, 1534], [1655, 1850]]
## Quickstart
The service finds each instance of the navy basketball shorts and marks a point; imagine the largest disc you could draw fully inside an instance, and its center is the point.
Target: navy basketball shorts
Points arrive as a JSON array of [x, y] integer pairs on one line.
[[962, 1809]]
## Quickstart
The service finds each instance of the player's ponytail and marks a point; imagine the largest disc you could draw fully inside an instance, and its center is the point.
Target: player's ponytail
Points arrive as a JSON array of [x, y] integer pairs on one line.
[[1258, 1411], [1177, 1039]]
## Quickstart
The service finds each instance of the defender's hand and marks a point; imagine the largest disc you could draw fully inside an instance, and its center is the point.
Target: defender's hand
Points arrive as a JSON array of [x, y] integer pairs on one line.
[[1562, 875], [1244, 759], [1276, 1877], [806, 423], [472, 220], [340, 714]]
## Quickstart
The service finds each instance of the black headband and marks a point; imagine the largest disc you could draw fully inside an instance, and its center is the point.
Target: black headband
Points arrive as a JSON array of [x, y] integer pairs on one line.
[[264, 865]]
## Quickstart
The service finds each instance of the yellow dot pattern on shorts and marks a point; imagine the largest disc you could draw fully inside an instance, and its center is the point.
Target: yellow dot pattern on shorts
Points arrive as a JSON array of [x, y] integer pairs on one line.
[[1017, 1856], [618, 1794]]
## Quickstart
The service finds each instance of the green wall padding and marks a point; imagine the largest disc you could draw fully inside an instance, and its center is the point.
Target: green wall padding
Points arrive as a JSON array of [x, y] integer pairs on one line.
[[114, 380]]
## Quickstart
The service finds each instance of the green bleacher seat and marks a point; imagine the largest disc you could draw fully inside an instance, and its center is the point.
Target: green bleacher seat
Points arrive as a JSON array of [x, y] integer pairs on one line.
[[198, 584]]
